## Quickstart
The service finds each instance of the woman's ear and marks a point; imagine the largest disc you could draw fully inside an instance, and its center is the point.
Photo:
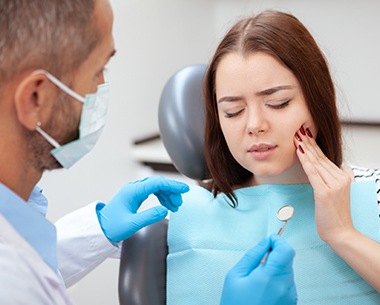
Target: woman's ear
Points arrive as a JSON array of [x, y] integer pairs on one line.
[[33, 99]]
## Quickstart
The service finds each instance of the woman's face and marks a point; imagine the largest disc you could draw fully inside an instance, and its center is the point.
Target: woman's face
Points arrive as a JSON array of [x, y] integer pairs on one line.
[[261, 106]]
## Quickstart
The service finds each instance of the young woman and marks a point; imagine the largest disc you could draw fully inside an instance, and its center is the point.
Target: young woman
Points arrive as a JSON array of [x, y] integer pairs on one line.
[[273, 137]]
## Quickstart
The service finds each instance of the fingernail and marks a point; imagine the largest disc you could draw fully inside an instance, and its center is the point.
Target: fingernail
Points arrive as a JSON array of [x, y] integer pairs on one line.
[[310, 135], [298, 137], [302, 130], [301, 149]]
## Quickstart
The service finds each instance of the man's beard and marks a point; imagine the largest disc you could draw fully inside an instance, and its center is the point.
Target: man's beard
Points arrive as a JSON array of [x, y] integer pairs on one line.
[[62, 127]]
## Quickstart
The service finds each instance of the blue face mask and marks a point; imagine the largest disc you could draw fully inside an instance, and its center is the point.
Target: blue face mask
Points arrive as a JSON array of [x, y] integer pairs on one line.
[[92, 121]]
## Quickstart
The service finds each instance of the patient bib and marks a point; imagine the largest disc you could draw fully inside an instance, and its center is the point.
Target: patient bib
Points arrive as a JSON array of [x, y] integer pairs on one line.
[[207, 237]]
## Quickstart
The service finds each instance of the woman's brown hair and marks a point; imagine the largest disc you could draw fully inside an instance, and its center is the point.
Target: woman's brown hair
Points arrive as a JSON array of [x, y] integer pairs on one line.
[[283, 36]]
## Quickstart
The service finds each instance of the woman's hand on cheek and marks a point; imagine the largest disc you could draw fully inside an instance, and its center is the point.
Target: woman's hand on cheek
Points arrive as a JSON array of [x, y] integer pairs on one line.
[[331, 186]]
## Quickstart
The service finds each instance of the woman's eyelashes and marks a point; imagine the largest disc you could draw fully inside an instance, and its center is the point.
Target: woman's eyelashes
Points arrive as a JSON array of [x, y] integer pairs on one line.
[[278, 106], [275, 106], [233, 114]]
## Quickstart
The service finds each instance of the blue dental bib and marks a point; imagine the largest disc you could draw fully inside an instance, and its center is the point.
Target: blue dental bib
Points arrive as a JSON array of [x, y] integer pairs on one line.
[[207, 237]]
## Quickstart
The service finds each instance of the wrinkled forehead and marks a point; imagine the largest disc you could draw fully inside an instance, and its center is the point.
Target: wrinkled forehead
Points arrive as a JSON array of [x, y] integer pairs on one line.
[[255, 73]]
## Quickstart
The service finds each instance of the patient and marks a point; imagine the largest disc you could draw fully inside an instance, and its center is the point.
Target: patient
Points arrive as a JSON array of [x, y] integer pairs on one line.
[[273, 137]]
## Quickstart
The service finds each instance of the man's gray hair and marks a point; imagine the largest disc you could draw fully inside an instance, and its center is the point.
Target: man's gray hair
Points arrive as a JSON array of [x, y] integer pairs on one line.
[[56, 35]]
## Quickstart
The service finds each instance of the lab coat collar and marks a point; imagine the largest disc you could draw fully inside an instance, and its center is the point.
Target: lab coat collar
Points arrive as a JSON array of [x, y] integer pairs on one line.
[[31, 225]]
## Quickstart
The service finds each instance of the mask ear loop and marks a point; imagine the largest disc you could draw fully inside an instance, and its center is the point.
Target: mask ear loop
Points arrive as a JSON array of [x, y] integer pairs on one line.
[[46, 136], [65, 89], [61, 85]]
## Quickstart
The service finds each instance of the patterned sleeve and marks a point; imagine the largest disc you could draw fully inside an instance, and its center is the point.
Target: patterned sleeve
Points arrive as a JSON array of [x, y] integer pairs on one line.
[[364, 174]]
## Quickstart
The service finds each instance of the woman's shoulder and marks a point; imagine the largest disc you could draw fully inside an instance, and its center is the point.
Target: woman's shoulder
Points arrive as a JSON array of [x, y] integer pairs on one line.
[[198, 190], [197, 196]]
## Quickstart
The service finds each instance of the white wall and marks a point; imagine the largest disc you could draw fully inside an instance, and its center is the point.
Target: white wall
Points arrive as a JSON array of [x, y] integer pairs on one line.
[[156, 38], [347, 33], [362, 146]]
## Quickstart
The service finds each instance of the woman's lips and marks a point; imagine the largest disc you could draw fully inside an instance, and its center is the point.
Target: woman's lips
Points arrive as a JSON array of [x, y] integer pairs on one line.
[[262, 151]]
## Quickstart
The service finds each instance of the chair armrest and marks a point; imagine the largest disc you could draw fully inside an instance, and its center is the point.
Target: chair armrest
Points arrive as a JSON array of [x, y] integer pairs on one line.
[[142, 272]]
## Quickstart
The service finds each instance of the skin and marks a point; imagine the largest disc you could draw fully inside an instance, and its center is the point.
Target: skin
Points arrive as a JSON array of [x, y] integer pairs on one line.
[[249, 118], [31, 98], [331, 186], [260, 102]]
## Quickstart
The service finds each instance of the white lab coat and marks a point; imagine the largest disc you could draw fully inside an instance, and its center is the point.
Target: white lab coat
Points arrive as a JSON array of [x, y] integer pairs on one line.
[[25, 278], [82, 246]]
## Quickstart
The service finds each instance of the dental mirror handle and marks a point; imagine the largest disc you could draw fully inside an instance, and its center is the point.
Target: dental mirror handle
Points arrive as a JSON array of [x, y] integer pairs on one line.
[[282, 228], [263, 260]]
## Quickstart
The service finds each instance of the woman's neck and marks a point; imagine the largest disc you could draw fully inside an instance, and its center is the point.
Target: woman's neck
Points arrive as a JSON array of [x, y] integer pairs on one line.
[[293, 175]]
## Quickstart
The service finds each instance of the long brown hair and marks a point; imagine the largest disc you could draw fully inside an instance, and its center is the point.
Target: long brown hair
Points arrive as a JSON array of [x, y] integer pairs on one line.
[[283, 36]]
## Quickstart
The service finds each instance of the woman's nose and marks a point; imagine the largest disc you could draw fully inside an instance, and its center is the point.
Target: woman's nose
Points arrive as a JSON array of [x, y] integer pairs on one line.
[[256, 121]]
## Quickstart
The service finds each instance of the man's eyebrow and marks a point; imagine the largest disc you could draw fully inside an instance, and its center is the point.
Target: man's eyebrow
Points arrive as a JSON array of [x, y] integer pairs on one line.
[[272, 90], [112, 54]]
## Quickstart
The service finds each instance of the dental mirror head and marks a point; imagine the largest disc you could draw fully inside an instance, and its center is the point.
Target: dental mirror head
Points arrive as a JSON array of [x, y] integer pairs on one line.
[[285, 213]]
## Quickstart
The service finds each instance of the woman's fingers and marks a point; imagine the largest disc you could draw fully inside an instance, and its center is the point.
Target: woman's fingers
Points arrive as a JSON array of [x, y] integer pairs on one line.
[[315, 162], [310, 169], [331, 186]]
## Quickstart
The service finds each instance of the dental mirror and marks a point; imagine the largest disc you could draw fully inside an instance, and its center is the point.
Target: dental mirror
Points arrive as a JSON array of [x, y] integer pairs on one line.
[[284, 214]]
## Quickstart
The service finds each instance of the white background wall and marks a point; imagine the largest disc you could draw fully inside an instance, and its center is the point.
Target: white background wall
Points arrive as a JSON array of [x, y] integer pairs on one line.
[[156, 38]]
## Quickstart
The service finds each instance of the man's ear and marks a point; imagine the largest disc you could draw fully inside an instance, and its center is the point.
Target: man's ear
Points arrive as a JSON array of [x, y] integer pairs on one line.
[[33, 100]]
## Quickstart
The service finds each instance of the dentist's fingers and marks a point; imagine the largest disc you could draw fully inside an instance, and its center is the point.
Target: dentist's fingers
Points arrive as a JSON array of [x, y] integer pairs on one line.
[[251, 259], [280, 259]]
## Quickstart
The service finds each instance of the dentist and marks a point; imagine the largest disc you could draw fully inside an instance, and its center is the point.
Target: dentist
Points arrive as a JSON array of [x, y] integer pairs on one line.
[[53, 102]]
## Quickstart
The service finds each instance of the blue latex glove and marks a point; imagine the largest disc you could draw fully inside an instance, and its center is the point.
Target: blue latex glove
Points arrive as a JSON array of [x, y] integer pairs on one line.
[[251, 283], [119, 218]]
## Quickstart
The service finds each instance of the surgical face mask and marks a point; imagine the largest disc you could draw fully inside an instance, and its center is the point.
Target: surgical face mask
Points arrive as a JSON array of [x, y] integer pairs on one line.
[[92, 121]]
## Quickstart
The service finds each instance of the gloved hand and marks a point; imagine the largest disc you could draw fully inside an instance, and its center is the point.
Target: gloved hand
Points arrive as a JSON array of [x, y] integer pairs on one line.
[[119, 219], [251, 283]]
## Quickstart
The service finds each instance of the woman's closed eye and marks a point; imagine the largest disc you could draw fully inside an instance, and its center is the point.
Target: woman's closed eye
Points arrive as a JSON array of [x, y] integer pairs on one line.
[[278, 106], [231, 114]]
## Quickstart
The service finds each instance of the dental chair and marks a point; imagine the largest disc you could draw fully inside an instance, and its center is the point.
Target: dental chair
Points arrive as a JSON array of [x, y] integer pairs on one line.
[[142, 272]]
